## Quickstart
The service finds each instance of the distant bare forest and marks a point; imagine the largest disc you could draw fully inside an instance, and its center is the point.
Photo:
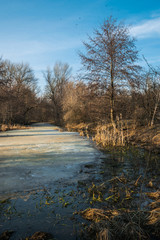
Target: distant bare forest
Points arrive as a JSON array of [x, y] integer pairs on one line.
[[111, 85]]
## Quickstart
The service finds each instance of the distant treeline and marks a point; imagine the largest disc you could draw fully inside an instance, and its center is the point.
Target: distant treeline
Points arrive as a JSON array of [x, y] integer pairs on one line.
[[110, 85]]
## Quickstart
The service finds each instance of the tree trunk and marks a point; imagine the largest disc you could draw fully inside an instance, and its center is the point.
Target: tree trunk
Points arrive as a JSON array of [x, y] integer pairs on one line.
[[154, 113], [112, 94], [155, 109]]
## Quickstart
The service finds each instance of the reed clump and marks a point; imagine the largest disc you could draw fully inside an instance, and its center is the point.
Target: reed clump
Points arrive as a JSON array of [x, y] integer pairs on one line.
[[116, 133], [109, 135]]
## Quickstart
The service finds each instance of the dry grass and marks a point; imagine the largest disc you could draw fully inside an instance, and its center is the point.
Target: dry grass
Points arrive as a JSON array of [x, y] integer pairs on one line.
[[120, 221], [131, 225], [115, 134], [112, 225], [109, 135], [155, 204], [83, 128], [121, 179], [119, 133], [154, 217], [148, 136], [98, 215], [154, 195], [5, 127], [40, 236]]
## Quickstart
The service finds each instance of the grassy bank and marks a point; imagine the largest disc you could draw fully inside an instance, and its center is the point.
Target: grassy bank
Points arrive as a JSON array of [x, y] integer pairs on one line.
[[147, 137], [117, 197], [6, 127], [131, 210], [120, 134]]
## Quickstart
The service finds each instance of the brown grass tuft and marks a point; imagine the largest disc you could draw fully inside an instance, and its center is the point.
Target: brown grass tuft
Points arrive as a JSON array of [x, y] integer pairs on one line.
[[154, 217], [97, 215], [5, 127], [154, 195]]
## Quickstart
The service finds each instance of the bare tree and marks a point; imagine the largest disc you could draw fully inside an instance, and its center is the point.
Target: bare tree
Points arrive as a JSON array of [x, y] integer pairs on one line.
[[56, 80], [17, 91], [2, 73], [110, 58], [152, 90]]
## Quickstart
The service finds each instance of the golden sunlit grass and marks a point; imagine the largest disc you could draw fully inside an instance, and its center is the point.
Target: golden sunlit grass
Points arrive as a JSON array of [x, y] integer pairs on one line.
[[154, 217], [113, 224], [119, 133], [97, 215], [5, 127], [118, 221], [154, 195], [83, 128], [155, 204], [148, 135]]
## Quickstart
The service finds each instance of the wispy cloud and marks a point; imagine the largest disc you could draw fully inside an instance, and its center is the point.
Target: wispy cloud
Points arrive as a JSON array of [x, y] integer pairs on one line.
[[20, 49], [155, 60], [147, 29]]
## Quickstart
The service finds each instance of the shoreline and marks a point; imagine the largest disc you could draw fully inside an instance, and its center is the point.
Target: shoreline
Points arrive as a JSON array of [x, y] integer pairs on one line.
[[112, 184], [147, 138]]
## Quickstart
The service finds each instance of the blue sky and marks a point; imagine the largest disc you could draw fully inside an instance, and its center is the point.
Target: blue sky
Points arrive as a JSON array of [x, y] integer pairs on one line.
[[41, 32]]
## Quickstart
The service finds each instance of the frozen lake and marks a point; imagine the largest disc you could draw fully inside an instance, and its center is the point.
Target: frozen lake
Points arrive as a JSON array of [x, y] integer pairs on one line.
[[36, 157]]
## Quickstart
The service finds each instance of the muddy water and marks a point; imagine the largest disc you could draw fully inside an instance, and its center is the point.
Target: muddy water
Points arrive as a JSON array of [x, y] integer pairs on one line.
[[36, 157]]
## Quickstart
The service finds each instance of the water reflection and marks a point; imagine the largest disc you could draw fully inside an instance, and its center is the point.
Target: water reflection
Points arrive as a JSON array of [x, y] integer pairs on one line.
[[133, 162]]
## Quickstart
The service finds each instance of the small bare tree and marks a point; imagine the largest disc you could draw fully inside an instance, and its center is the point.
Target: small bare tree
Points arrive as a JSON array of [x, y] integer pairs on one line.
[[56, 80], [152, 90], [110, 58]]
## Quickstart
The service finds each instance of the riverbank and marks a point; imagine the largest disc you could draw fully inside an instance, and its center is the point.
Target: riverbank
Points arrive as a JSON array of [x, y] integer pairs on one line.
[[107, 194], [7, 127], [143, 137], [147, 137]]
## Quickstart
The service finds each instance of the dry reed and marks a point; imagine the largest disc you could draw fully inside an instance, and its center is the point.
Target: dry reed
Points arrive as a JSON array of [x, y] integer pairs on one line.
[[6, 127]]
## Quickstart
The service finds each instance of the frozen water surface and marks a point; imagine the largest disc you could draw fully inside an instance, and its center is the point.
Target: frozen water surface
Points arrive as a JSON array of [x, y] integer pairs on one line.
[[34, 157]]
